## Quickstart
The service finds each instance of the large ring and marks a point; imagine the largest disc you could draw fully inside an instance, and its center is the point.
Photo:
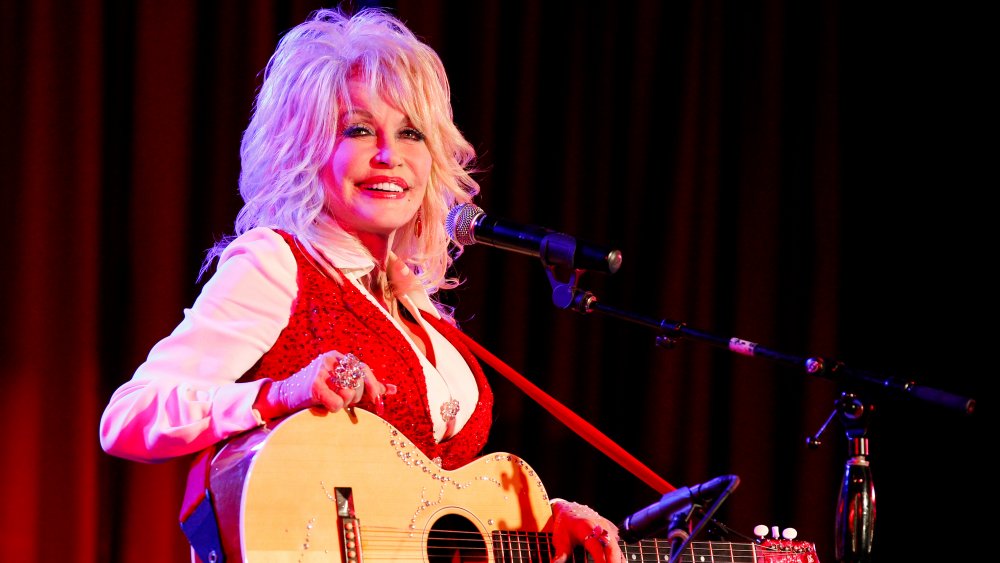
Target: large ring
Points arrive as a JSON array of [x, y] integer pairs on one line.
[[599, 534], [348, 374]]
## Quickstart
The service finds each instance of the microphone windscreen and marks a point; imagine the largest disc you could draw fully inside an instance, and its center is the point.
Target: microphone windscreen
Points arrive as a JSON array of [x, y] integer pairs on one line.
[[459, 222]]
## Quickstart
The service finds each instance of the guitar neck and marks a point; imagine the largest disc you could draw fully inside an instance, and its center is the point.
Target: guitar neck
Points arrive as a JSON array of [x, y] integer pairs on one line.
[[658, 551]]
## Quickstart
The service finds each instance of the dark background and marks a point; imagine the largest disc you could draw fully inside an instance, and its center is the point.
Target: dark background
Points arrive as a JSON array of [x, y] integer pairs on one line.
[[808, 176]]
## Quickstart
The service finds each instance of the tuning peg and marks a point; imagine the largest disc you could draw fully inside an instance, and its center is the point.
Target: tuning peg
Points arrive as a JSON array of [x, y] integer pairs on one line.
[[761, 531]]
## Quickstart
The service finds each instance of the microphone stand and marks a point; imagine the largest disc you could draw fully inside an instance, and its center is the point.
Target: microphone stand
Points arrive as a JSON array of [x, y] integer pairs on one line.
[[855, 516], [680, 533], [565, 295]]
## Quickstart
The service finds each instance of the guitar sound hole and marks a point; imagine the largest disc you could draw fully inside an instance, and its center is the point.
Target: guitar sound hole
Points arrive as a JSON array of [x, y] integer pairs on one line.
[[454, 539]]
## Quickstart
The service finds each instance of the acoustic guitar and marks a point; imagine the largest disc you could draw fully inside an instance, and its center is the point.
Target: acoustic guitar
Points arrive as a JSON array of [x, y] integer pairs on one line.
[[348, 487]]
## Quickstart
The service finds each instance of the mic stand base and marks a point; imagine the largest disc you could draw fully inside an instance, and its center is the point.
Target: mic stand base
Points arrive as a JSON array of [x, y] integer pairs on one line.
[[855, 523]]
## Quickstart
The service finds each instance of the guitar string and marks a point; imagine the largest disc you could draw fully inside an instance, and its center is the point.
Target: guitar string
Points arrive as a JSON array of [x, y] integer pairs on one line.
[[515, 544]]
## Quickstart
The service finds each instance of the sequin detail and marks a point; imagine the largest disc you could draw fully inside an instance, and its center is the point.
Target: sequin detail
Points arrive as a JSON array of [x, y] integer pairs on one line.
[[329, 316]]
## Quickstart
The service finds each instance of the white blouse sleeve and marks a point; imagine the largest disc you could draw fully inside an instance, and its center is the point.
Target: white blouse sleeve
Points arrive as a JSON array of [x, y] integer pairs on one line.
[[184, 397]]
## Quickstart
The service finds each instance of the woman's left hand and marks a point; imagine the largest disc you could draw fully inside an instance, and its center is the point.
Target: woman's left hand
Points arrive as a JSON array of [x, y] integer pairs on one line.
[[578, 524]]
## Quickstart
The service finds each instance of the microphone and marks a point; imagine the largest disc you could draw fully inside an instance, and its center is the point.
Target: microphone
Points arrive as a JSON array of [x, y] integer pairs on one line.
[[468, 224], [655, 516]]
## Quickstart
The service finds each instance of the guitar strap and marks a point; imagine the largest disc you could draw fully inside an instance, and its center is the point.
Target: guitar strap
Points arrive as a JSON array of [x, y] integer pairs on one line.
[[586, 430], [197, 516]]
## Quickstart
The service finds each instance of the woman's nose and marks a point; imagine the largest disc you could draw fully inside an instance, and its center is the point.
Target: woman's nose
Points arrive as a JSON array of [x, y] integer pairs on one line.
[[386, 155]]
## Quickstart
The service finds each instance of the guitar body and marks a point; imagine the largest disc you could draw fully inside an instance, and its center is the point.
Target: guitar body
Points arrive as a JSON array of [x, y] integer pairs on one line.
[[287, 493]]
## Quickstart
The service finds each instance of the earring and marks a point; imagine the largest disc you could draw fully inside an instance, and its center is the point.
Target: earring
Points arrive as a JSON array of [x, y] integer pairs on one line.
[[420, 222]]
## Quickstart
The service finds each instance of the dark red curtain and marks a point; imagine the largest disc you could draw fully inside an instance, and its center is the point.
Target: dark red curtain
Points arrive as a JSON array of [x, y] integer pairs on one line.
[[809, 176]]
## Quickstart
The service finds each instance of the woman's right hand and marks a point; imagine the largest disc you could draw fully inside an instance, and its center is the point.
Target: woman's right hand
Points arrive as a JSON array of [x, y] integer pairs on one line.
[[332, 381]]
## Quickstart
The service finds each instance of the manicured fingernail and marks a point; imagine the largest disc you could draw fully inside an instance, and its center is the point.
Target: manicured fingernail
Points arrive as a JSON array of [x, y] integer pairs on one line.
[[379, 405]]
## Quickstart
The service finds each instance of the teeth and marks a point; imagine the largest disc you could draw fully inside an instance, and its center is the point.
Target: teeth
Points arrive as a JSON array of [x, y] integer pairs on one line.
[[385, 187]]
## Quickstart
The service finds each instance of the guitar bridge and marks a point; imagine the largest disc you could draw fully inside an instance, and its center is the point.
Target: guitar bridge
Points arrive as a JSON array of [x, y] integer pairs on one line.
[[348, 525]]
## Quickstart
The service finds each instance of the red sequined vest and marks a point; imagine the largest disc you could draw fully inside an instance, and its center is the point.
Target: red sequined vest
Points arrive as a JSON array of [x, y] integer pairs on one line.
[[328, 315]]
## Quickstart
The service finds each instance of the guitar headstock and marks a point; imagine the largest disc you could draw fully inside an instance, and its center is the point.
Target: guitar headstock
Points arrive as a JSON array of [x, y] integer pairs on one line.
[[783, 547], [787, 551]]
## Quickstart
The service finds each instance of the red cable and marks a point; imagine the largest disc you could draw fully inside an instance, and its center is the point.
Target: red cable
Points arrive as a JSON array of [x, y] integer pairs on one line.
[[568, 417]]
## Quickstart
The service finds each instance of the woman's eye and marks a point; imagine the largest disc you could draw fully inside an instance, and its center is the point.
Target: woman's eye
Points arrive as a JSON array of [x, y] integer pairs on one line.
[[357, 131], [412, 134]]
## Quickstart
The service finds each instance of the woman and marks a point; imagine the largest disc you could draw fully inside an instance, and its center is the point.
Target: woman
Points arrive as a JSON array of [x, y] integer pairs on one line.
[[324, 295]]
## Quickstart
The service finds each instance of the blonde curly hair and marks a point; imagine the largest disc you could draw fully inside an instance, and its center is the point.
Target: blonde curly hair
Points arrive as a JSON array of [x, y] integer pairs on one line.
[[292, 133]]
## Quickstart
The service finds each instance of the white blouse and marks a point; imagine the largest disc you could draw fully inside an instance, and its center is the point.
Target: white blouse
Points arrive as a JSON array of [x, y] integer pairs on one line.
[[185, 397]]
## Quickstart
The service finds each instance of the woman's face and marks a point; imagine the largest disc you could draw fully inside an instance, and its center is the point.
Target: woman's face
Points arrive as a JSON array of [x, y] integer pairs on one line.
[[379, 170]]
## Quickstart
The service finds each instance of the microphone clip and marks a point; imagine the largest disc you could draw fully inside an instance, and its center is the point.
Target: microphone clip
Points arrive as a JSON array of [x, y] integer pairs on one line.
[[565, 293]]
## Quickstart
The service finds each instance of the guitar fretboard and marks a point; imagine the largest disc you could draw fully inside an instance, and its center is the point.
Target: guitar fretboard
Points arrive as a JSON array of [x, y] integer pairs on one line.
[[652, 551], [522, 547]]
